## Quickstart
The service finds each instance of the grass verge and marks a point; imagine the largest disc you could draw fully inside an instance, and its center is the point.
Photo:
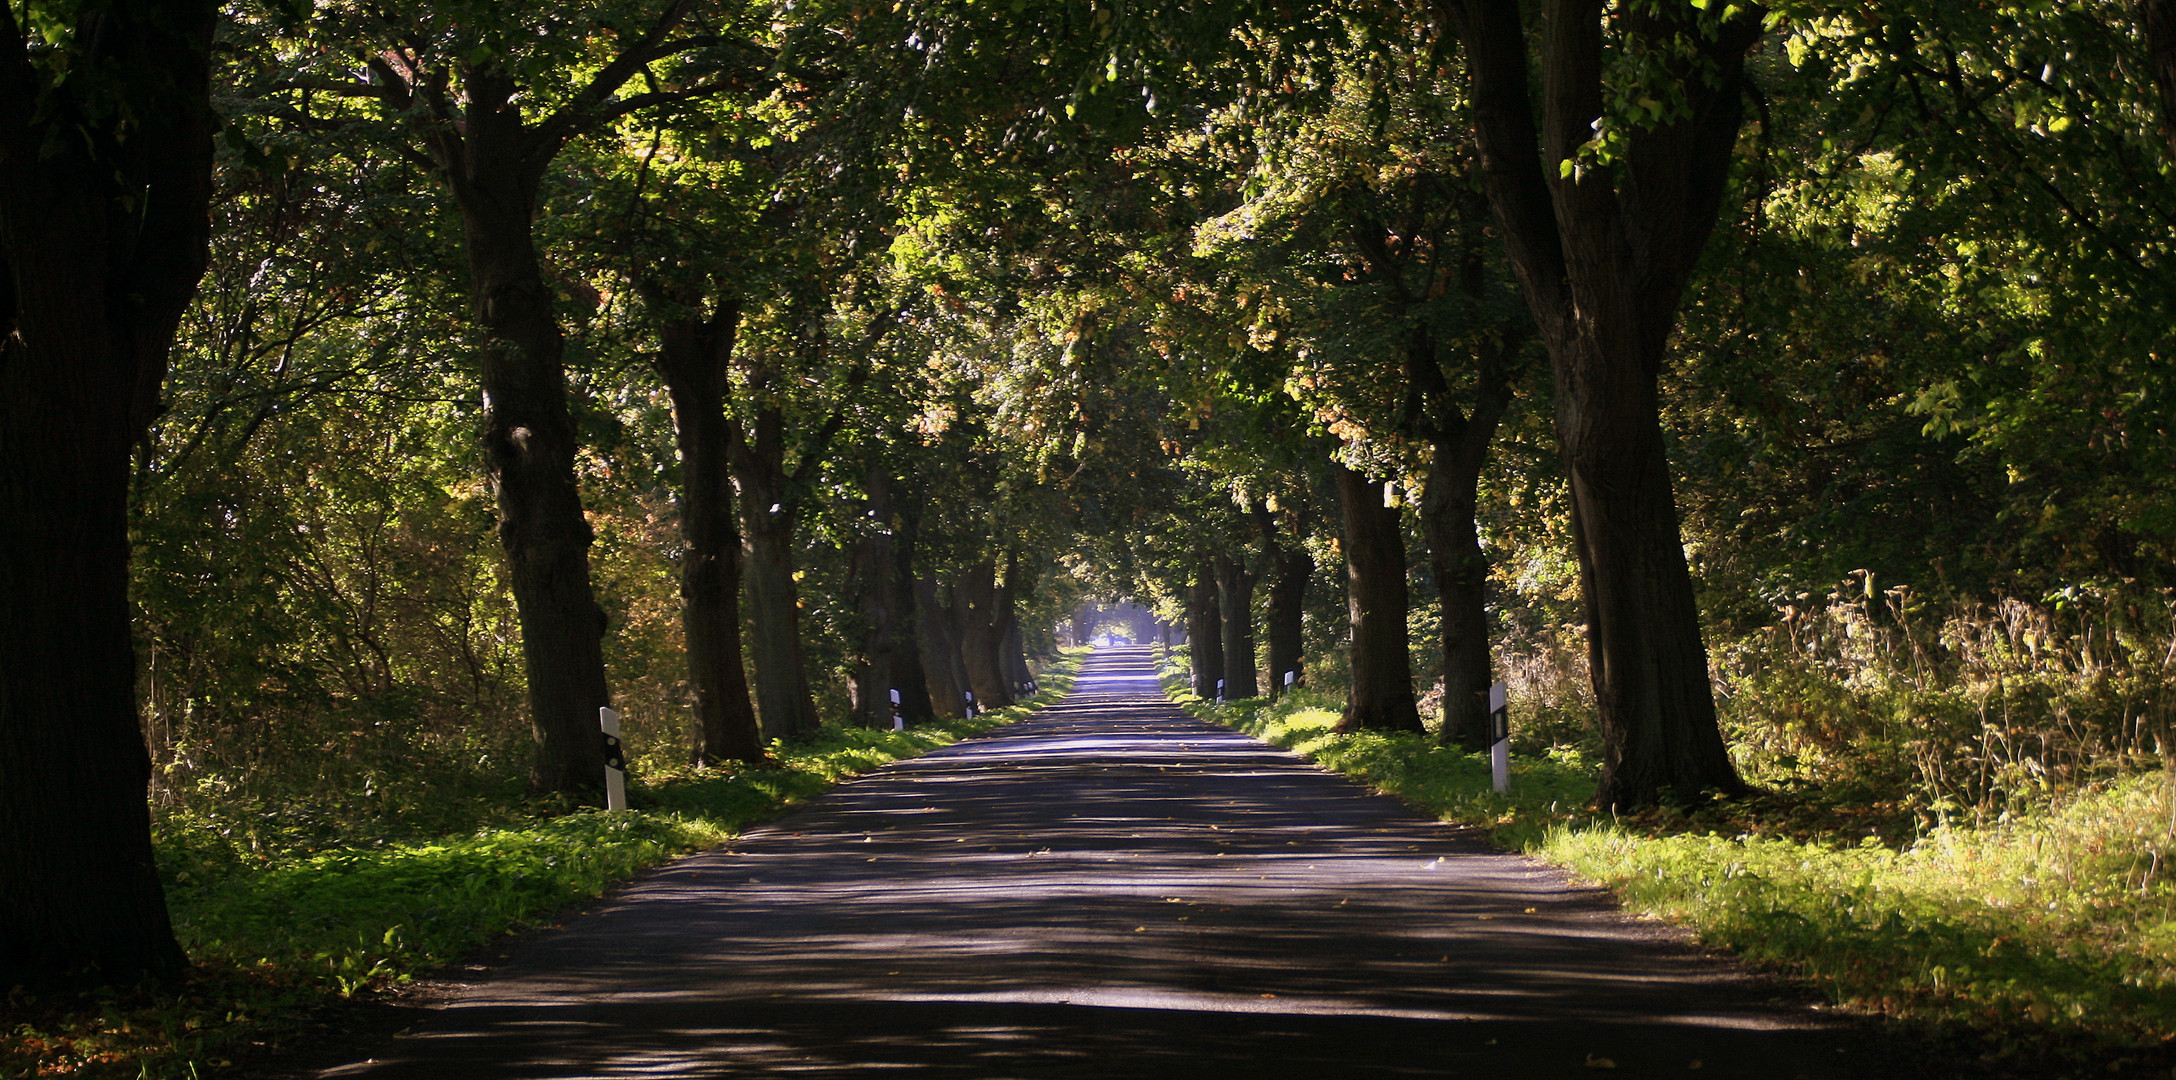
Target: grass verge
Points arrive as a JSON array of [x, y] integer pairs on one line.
[[291, 929], [2047, 937]]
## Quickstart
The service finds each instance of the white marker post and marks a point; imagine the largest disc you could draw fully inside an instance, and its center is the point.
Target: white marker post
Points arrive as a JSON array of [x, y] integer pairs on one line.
[[1290, 677], [615, 763], [970, 695], [1499, 730], [1220, 691], [899, 723]]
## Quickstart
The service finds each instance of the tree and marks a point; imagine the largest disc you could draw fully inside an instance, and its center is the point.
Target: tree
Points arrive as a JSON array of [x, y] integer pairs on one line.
[[1205, 630], [1289, 568], [461, 89], [695, 351], [1382, 664], [105, 179], [1235, 601], [1606, 203]]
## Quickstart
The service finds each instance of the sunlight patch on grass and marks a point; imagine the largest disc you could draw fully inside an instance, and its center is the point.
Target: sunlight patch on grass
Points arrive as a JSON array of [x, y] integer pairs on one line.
[[2063, 920], [2054, 927]]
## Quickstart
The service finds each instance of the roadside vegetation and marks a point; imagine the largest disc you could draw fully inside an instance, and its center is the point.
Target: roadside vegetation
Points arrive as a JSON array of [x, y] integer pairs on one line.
[[2044, 928], [297, 918], [742, 365]]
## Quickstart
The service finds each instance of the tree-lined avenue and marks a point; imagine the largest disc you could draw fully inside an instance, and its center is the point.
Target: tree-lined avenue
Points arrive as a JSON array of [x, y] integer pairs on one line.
[[1112, 888]]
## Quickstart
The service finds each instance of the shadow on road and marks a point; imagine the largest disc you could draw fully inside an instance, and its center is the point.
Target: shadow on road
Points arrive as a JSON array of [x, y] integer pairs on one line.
[[1112, 888]]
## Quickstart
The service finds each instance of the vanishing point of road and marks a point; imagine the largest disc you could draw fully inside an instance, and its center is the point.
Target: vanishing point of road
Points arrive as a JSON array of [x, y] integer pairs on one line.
[[1111, 888]]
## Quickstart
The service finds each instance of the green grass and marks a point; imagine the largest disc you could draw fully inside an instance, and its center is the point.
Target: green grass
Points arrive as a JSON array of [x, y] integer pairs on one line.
[[288, 918], [2046, 932]]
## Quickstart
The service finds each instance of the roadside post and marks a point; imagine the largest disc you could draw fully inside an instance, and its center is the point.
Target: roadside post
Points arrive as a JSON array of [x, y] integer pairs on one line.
[[1220, 691], [899, 723], [615, 762], [1290, 678], [1499, 733], [970, 696]]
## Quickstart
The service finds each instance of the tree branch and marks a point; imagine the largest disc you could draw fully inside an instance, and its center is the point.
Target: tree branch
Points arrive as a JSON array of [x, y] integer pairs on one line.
[[1494, 42], [582, 109]]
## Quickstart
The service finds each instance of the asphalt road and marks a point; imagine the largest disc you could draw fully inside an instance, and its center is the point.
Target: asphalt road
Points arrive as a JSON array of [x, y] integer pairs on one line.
[[1113, 889]]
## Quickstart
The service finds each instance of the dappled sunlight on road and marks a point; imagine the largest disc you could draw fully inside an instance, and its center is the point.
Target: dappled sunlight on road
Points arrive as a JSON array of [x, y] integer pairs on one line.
[[1110, 879]]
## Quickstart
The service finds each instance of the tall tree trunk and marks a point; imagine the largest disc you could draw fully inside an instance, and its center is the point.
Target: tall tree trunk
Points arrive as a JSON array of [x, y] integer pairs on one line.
[[875, 602], [1205, 631], [694, 358], [1376, 602], [1460, 441], [1603, 252], [1019, 583], [1017, 671], [768, 510], [909, 671], [1461, 570], [103, 236], [940, 650], [1660, 738], [1235, 602], [974, 605], [1289, 570], [529, 436]]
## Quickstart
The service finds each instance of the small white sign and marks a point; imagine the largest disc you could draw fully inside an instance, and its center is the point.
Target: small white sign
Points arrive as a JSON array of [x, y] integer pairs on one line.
[[615, 779], [1499, 751]]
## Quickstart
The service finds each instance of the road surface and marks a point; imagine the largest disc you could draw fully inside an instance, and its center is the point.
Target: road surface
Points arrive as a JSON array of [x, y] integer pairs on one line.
[[1113, 889]]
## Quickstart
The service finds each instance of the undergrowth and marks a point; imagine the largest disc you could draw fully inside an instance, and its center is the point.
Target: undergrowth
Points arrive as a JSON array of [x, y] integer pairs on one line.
[[2047, 930], [289, 915]]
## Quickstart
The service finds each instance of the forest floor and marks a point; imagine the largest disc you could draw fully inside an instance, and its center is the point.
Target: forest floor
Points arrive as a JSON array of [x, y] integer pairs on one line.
[[1107, 888]]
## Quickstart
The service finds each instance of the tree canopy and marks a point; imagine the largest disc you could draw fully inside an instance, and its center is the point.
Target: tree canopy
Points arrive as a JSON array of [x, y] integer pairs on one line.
[[387, 387]]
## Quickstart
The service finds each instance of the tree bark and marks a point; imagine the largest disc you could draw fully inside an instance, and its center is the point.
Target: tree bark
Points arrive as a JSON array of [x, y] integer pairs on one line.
[[695, 359], [1205, 631], [876, 604], [1235, 602], [1461, 570], [1460, 444], [493, 163], [769, 506], [1289, 570], [1019, 583], [974, 606], [909, 671], [940, 650], [1376, 603], [1602, 252], [104, 234]]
